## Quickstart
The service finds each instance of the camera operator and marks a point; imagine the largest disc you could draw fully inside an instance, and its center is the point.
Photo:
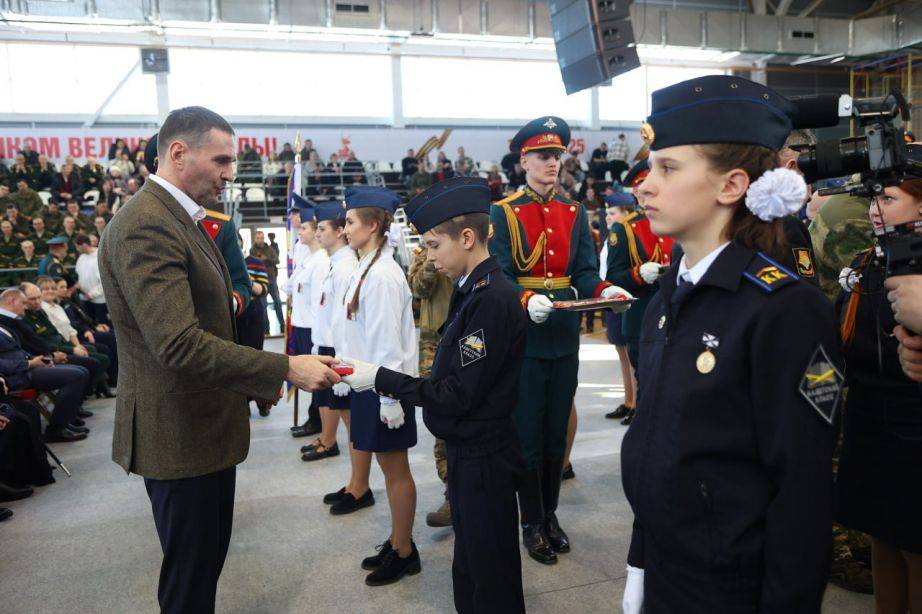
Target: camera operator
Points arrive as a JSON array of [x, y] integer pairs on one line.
[[877, 485]]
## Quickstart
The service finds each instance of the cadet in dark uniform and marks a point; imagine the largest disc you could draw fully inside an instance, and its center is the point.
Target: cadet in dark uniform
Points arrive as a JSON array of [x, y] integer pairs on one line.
[[468, 399], [878, 489], [542, 243], [727, 464]]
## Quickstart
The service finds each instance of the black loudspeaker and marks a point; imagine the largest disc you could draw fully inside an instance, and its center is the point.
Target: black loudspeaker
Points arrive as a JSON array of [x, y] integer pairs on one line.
[[594, 40], [155, 61]]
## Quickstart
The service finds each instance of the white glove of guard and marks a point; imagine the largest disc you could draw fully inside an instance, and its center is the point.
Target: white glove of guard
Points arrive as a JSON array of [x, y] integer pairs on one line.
[[341, 389], [315, 349], [363, 376], [611, 291], [539, 308], [391, 413], [651, 271], [633, 591], [848, 279]]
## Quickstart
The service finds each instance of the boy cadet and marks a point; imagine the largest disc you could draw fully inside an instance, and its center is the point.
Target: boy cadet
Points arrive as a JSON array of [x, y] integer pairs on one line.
[[469, 397]]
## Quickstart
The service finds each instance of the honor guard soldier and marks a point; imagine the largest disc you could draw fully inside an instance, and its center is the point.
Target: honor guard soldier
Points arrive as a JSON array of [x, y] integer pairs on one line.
[[728, 462], [468, 399], [542, 243], [223, 231]]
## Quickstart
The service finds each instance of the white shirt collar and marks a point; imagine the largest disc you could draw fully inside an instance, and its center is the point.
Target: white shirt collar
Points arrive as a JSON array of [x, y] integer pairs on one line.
[[8, 314], [195, 211], [695, 273]]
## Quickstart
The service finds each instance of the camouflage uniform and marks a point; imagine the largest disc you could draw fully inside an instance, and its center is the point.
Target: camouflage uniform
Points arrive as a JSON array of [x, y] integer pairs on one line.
[[433, 290], [841, 229]]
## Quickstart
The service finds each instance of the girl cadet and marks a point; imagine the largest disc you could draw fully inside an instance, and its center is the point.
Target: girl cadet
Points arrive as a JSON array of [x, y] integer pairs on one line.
[[331, 223], [877, 485], [728, 462], [379, 329]]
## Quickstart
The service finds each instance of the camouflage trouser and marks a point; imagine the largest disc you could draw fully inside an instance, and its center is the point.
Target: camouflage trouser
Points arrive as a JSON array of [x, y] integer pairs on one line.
[[428, 344], [441, 460]]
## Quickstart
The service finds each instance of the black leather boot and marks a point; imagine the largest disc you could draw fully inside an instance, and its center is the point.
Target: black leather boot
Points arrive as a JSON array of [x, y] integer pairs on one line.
[[553, 470], [531, 505]]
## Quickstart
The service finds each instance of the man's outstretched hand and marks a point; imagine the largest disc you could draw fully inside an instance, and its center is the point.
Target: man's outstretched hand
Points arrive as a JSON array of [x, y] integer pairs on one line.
[[312, 373]]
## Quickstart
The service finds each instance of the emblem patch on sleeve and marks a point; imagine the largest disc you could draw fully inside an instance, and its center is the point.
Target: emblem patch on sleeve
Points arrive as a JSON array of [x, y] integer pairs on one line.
[[822, 384], [473, 348], [613, 239], [804, 262]]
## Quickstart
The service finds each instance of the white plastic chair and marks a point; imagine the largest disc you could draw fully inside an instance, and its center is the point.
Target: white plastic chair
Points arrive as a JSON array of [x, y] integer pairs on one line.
[[45, 195], [255, 195], [91, 195]]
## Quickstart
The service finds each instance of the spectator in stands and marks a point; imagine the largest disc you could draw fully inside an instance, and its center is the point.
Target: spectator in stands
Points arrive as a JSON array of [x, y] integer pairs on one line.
[[123, 163], [517, 178], [29, 154], [463, 158], [9, 242], [314, 164], [52, 264], [94, 240], [66, 186], [462, 169], [620, 150], [137, 156], [307, 149], [572, 167], [131, 187], [77, 353], [249, 165], [27, 261], [287, 154], [332, 175], [44, 173], [509, 161], [39, 236], [421, 180], [102, 210], [21, 228], [589, 182], [272, 168], [27, 200], [92, 174], [22, 172], [444, 169], [99, 225], [495, 183], [4, 174], [408, 167], [69, 232], [88, 329], [598, 163], [88, 280], [84, 222], [5, 199], [592, 202], [108, 195], [143, 174], [354, 168], [53, 217], [39, 367], [117, 148], [73, 164]]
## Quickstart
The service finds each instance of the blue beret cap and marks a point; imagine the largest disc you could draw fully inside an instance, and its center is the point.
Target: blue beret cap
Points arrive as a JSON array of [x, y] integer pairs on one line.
[[448, 199], [330, 210], [359, 196], [620, 199], [58, 240], [718, 109], [304, 206]]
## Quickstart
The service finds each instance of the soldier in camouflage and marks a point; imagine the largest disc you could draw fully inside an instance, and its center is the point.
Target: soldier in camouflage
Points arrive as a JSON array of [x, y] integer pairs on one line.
[[840, 229], [433, 291]]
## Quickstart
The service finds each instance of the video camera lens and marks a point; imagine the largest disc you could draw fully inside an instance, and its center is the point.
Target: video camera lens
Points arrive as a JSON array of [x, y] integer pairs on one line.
[[829, 159]]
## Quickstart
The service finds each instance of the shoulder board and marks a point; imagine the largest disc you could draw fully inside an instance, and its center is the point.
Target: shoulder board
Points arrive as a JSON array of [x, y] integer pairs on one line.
[[565, 200], [509, 199], [633, 216], [768, 274], [483, 283], [217, 215]]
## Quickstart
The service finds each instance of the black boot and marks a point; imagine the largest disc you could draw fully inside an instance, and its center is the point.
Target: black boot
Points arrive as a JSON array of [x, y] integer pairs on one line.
[[553, 470], [531, 505]]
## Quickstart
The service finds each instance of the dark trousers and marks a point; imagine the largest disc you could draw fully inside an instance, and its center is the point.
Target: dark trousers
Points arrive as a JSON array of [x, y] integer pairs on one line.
[[70, 382], [105, 344], [276, 303], [252, 324], [194, 518], [95, 363], [22, 453], [301, 343], [486, 569], [543, 407], [98, 311]]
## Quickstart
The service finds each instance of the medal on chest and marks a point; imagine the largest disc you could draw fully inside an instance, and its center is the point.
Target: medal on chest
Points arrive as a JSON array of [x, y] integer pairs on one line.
[[706, 360]]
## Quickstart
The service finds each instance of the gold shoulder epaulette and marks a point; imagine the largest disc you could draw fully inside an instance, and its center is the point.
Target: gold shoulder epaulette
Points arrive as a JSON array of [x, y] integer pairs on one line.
[[217, 215], [509, 198]]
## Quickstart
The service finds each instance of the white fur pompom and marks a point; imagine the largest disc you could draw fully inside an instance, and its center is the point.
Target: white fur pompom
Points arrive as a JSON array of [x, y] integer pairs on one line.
[[776, 193]]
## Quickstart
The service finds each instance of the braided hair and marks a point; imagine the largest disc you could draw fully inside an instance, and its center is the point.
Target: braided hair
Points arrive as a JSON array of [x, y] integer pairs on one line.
[[368, 216]]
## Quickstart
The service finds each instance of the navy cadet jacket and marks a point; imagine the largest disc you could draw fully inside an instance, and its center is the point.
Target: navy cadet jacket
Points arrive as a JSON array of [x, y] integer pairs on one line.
[[728, 463], [469, 397]]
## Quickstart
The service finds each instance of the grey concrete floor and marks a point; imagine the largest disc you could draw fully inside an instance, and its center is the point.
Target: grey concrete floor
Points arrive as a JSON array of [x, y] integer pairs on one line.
[[88, 545]]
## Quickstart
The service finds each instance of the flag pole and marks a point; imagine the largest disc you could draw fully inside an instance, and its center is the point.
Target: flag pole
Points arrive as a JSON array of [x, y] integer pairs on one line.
[[294, 187]]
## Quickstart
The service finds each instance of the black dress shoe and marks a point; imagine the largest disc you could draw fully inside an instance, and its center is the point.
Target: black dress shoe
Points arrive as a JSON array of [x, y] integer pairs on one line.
[[348, 504], [73, 428], [373, 562], [393, 568], [310, 445], [77, 422], [84, 413], [9, 493], [559, 540], [537, 544], [5, 514], [320, 452], [62, 435], [629, 417], [619, 413], [105, 393], [332, 497], [305, 429], [568, 472]]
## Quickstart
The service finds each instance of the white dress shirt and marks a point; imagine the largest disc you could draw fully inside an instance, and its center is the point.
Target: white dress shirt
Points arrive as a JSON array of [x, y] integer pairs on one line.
[[328, 329], [88, 279], [195, 211], [695, 273], [305, 288], [59, 318]]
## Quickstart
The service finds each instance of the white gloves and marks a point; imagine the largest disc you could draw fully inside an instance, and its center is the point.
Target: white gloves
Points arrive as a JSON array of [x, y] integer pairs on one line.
[[391, 413], [848, 279], [611, 291], [633, 591], [539, 308], [363, 376], [651, 271], [341, 389]]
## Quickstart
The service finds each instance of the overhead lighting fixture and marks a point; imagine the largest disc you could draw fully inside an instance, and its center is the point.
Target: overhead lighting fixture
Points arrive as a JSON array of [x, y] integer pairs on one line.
[[838, 59], [815, 58]]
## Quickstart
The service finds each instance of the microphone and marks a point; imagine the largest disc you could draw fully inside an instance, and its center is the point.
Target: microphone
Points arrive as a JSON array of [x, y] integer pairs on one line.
[[822, 111]]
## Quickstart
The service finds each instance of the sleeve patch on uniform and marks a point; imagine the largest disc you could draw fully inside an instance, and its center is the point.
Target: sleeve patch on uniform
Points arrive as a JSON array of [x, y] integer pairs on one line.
[[822, 384], [473, 348], [804, 262], [613, 239]]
